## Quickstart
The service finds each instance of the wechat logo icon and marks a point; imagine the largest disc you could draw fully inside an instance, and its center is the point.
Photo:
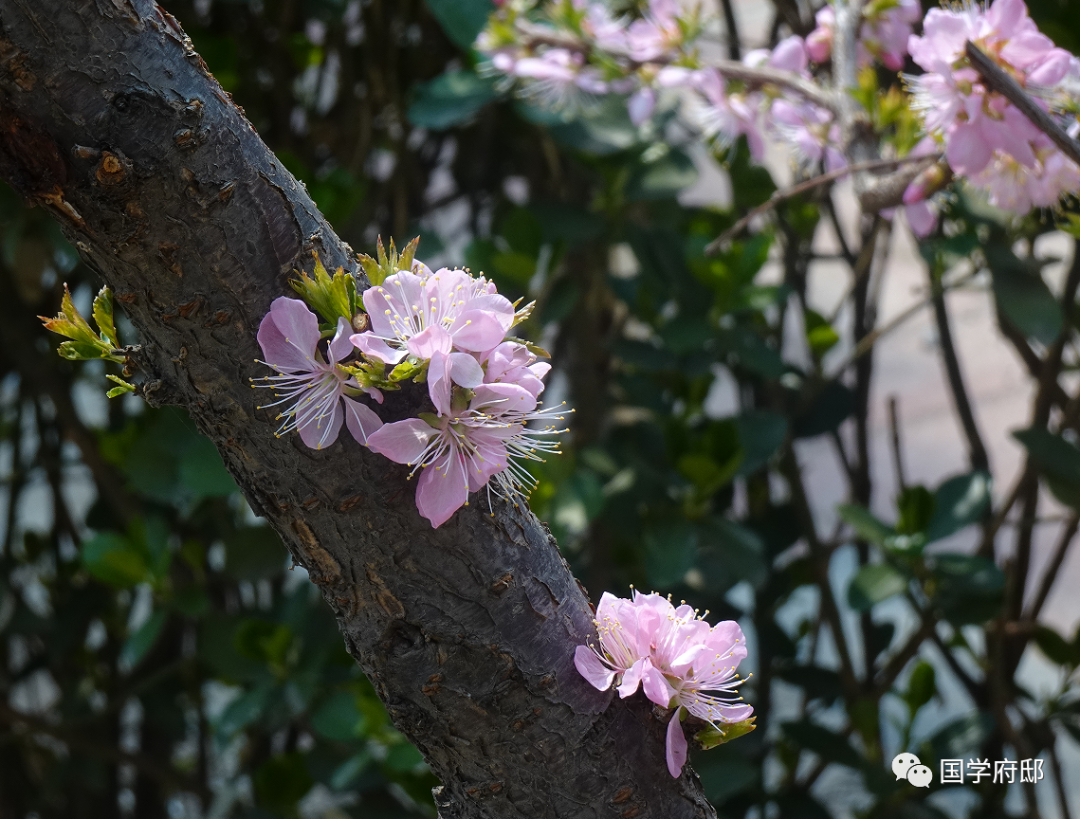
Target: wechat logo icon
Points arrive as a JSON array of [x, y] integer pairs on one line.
[[908, 766]]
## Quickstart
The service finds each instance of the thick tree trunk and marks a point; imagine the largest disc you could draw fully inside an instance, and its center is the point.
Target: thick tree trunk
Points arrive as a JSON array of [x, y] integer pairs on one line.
[[111, 120]]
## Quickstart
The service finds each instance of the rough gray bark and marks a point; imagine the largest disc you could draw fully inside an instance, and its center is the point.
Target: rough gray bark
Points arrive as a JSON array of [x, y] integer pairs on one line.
[[110, 120]]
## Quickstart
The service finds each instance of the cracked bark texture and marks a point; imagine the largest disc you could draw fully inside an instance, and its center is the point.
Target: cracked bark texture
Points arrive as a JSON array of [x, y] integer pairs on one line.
[[110, 120]]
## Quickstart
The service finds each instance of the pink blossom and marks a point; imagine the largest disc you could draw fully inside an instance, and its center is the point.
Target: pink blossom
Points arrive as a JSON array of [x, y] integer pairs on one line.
[[1015, 187], [886, 34], [656, 34], [314, 389], [463, 450], [922, 218], [419, 313], [883, 34], [676, 658], [810, 130], [819, 41], [980, 129], [729, 116], [558, 78]]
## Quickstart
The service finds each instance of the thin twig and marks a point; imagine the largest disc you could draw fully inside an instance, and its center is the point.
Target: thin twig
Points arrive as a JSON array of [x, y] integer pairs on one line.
[[997, 80], [535, 35], [802, 187], [897, 449], [1050, 575], [977, 450], [896, 664], [868, 341], [731, 24], [986, 549]]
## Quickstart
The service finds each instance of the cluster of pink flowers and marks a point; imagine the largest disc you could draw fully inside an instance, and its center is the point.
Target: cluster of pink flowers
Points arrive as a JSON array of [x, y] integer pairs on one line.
[[676, 658], [986, 138], [446, 327], [576, 49], [883, 34]]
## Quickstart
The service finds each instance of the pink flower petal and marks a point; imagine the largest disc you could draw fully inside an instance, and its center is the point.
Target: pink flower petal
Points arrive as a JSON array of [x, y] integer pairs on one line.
[[922, 219], [641, 104], [675, 745], [656, 686], [443, 489], [429, 341], [967, 150], [439, 382], [632, 678], [376, 349], [360, 420], [465, 370], [341, 346], [592, 668], [288, 335], [323, 428], [403, 442], [477, 330]]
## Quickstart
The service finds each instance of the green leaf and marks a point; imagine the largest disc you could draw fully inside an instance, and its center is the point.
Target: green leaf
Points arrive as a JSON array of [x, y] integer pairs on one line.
[[338, 718], [915, 506], [670, 549], [403, 757], [112, 558], [958, 502], [662, 179], [332, 297], [963, 737], [921, 686], [202, 471], [865, 524], [123, 387], [1057, 459], [724, 732], [605, 131], [967, 588], [1056, 648], [832, 406], [874, 584], [752, 352], [103, 316], [249, 707], [820, 336], [281, 782], [1023, 297], [731, 553], [70, 323], [761, 434], [462, 20], [79, 351], [142, 639], [450, 99]]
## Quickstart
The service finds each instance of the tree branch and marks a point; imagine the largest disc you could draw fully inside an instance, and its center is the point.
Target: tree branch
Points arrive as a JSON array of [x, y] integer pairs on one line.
[[997, 80], [466, 631], [783, 195]]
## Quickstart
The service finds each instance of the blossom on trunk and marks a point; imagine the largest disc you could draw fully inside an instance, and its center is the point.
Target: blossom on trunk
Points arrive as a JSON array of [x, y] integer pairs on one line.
[[313, 390], [465, 449], [422, 313], [678, 660]]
